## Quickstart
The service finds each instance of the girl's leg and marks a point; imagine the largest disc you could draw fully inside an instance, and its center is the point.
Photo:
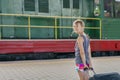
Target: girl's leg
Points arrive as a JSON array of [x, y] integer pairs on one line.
[[86, 75], [81, 75]]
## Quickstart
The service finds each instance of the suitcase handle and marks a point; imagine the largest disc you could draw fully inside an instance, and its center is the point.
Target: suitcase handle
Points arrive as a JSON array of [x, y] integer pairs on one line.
[[93, 71]]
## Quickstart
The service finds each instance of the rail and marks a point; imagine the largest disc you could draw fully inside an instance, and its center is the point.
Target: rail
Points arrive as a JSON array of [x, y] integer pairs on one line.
[[55, 26]]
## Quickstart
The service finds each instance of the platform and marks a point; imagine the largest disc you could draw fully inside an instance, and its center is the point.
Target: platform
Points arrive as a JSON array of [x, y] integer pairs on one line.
[[57, 69]]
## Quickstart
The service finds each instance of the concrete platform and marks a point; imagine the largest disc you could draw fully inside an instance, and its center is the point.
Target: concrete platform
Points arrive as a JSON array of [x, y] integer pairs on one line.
[[58, 69]]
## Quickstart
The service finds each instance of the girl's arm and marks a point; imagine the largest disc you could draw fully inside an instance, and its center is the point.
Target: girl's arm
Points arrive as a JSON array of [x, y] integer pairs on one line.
[[89, 51], [82, 53]]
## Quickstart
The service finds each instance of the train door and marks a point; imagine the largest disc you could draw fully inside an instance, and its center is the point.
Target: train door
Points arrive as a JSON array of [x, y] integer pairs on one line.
[[75, 8], [69, 8]]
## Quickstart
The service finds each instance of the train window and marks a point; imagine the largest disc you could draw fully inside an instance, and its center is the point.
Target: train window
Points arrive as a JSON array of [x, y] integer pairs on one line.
[[66, 3], [43, 6], [29, 5], [108, 8], [117, 8], [75, 4]]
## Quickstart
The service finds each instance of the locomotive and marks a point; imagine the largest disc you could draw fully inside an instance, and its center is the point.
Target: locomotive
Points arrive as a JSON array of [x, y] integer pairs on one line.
[[43, 28]]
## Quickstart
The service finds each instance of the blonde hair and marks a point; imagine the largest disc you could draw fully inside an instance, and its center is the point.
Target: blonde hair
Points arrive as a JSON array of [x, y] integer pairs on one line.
[[76, 21]]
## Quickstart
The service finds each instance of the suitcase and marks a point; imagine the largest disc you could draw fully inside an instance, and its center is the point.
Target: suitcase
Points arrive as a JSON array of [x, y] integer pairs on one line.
[[105, 76]]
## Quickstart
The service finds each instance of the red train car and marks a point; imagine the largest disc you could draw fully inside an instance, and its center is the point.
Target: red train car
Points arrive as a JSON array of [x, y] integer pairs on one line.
[[55, 46]]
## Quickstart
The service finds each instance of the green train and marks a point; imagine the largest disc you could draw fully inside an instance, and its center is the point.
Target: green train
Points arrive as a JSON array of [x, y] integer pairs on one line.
[[33, 25], [50, 19], [44, 15]]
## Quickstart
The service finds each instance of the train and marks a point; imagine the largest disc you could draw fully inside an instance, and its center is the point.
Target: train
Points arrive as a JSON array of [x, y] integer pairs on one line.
[[43, 28]]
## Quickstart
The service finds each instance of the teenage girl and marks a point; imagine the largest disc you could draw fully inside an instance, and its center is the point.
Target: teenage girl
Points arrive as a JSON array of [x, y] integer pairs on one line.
[[82, 50]]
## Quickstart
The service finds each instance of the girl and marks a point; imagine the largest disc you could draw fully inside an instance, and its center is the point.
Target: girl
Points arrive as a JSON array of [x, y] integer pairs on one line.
[[82, 50]]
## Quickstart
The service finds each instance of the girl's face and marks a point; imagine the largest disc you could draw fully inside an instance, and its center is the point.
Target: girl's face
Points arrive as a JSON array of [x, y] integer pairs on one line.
[[79, 28]]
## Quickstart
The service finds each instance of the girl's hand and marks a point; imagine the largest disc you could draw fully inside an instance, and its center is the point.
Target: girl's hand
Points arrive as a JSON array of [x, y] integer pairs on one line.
[[85, 67]]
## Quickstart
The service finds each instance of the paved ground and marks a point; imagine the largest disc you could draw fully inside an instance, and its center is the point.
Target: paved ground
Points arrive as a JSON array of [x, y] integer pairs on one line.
[[60, 69]]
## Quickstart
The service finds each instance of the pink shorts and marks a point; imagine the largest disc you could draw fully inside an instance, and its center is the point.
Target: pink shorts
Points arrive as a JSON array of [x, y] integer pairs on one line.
[[80, 67]]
